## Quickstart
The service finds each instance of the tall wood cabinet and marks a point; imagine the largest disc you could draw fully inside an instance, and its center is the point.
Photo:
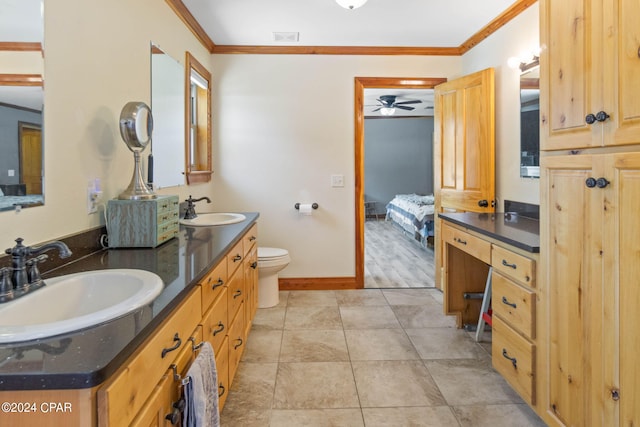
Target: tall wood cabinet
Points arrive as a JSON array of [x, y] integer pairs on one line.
[[590, 200]]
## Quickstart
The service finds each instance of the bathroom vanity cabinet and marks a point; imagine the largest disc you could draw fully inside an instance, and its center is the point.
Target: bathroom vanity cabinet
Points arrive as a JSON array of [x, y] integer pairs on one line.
[[146, 391], [129, 371]]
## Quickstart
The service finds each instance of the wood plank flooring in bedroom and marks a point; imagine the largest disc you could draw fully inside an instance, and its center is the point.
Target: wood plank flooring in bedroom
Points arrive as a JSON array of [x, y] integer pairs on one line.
[[394, 260]]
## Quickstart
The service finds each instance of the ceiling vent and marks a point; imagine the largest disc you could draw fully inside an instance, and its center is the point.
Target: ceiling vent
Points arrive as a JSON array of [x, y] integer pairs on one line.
[[286, 37]]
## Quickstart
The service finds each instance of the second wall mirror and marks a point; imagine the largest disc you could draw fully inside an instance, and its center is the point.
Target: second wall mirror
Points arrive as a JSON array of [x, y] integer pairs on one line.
[[198, 121]]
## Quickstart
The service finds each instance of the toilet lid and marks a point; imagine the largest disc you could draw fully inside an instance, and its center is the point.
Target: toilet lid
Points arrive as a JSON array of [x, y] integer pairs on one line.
[[271, 252]]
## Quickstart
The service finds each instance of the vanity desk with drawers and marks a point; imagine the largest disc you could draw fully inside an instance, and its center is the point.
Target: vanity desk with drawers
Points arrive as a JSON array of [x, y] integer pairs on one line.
[[501, 249]]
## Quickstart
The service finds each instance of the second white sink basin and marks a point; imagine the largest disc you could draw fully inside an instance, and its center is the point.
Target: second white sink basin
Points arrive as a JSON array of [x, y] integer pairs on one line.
[[77, 301], [216, 218]]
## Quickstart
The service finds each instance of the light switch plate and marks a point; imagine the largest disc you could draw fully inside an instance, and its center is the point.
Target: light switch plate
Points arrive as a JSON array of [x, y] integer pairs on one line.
[[337, 180]]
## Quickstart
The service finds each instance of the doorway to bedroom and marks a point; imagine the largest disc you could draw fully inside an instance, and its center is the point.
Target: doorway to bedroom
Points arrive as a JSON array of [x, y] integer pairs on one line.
[[394, 183]]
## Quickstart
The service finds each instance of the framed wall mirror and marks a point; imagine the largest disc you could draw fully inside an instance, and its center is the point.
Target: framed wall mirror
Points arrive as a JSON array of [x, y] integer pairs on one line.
[[198, 121], [530, 123], [21, 104], [167, 105]]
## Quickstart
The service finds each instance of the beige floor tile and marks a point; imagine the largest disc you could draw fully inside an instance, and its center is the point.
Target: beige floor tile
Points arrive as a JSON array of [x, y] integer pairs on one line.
[[269, 318], [422, 316], [361, 297], [316, 418], [244, 417], [497, 415], [263, 346], [314, 346], [370, 317], [379, 344], [409, 297], [315, 298], [283, 298], [445, 343], [315, 385], [470, 382], [422, 416], [395, 383], [252, 387], [312, 318]]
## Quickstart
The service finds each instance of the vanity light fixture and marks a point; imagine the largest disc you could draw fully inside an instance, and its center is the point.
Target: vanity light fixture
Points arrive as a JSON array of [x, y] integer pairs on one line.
[[351, 4], [387, 111], [526, 60]]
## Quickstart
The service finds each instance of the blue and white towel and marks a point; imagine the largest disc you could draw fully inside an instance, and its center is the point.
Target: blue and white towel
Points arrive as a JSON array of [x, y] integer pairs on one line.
[[201, 392]]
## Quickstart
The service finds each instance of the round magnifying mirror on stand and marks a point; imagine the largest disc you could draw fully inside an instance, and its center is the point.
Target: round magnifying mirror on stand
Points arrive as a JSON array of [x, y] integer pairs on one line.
[[136, 126]]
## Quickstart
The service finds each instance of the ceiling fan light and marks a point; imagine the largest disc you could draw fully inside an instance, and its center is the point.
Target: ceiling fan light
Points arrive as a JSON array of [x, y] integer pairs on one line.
[[351, 4], [387, 111]]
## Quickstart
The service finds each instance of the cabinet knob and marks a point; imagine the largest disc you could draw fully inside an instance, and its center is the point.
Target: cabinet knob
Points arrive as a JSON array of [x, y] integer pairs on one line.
[[601, 116], [590, 119], [483, 203], [590, 182], [602, 182], [615, 394]]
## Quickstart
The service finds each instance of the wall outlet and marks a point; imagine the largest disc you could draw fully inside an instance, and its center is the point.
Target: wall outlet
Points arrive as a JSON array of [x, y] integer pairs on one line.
[[93, 196], [337, 180]]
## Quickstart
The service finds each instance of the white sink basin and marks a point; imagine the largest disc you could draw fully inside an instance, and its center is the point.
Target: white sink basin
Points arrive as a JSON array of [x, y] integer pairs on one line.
[[76, 301], [217, 218]]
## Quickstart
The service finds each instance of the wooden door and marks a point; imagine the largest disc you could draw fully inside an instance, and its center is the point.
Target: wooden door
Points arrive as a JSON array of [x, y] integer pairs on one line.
[[620, 393], [571, 264], [464, 149], [570, 73], [31, 159]]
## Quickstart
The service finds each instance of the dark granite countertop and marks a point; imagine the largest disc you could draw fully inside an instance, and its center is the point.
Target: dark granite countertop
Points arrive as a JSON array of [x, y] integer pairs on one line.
[[86, 358], [516, 230]]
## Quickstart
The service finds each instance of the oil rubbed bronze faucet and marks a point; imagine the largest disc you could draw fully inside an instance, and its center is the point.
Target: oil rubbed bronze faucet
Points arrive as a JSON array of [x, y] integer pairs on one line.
[[20, 280], [190, 213]]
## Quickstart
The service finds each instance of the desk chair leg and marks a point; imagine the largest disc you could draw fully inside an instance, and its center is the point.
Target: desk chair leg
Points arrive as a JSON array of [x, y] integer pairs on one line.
[[485, 310]]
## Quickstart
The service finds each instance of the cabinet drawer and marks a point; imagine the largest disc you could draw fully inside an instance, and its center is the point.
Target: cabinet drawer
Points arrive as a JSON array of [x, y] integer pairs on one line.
[[234, 258], [222, 368], [121, 398], [514, 304], [213, 284], [215, 322], [235, 293], [513, 265], [237, 341], [250, 238], [478, 248], [514, 358]]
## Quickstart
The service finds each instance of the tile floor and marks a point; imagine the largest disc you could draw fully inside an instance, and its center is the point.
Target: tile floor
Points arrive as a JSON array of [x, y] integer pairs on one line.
[[367, 357]]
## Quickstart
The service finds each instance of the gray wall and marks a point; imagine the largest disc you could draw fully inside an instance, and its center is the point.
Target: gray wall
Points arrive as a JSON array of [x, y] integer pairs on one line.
[[398, 158], [9, 146]]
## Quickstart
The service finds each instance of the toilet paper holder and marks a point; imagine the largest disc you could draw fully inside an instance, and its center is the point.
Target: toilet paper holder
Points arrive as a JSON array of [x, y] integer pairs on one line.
[[314, 206]]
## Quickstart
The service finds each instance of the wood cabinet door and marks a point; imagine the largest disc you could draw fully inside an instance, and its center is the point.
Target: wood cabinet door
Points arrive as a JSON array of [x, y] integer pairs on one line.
[[570, 73], [620, 392], [571, 257], [621, 77]]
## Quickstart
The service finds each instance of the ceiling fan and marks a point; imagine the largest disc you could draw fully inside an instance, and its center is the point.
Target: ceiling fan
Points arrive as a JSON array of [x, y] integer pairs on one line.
[[389, 105]]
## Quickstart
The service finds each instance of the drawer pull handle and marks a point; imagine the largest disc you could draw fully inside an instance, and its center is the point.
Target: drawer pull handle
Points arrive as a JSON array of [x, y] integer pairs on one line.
[[513, 360], [506, 264], [235, 347], [237, 294], [459, 240], [195, 347], [254, 265], [220, 329], [237, 258], [221, 390], [173, 417], [252, 238], [219, 283], [178, 343], [506, 302]]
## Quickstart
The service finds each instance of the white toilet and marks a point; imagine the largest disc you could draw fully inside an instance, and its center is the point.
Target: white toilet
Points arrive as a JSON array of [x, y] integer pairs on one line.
[[270, 262]]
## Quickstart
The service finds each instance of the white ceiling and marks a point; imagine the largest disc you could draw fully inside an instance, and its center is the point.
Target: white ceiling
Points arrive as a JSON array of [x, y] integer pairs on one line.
[[412, 23]]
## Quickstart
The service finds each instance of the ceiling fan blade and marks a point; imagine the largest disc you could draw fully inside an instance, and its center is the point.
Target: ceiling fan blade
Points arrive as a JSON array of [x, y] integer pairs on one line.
[[413, 101], [376, 109], [384, 102], [402, 107]]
